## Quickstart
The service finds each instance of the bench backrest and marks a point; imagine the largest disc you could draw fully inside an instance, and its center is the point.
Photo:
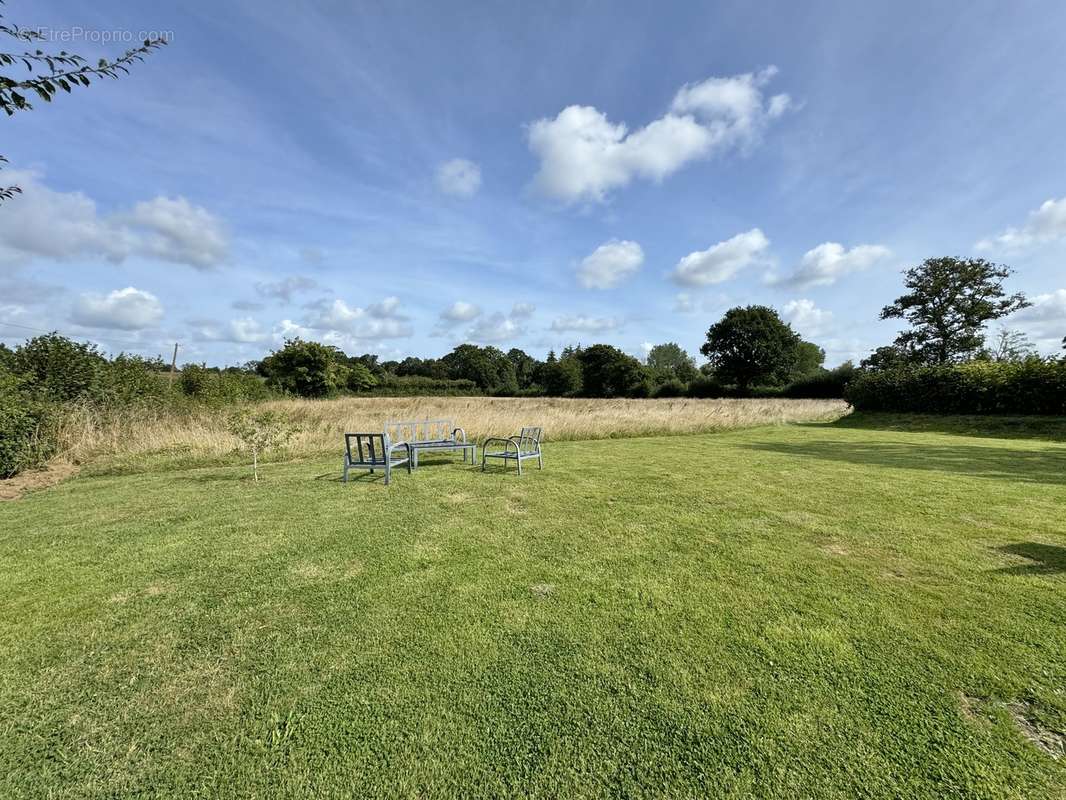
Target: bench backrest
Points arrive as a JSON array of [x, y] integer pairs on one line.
[[420, 430], [366, 448], [529, 439]]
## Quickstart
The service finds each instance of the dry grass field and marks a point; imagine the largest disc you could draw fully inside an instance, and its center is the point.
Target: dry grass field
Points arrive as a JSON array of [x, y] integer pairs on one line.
[[135, 438]]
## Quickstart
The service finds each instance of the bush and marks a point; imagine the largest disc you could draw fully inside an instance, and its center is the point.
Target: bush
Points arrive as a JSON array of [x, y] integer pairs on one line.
[[1033, 386], [59, 368], [828, 384], [24, 435], [670, 388], [417, 386], [217, 387]]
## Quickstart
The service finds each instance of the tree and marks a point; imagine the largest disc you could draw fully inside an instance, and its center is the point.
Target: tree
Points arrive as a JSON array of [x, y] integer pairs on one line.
[[608, 372], [560, 377], [1009, 347], [260, 432], [525, 367], [47, 73], [488, 367], [888, 357], [360, 378], [669, 362], [949, 303], [751, 346], [307, 369], [810, 359]]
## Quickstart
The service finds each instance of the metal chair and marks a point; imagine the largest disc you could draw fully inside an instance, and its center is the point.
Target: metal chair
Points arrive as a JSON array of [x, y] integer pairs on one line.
[[515, 448], [374, 451]]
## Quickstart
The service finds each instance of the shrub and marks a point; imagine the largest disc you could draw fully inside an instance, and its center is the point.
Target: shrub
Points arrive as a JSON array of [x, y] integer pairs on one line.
[[24, 435], [1033, 386], [126, 379], [828, 384], [217, 387], [670, 388], [307, 369], [360, 378], [707, 387], [417, 386], [58, 368]]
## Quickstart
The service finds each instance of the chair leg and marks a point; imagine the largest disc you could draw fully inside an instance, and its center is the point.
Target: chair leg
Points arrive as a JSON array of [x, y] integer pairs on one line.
[[388, 473], [540, 461]]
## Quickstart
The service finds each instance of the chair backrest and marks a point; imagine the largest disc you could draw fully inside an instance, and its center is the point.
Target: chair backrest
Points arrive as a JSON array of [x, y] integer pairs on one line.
[[369, 448], [420, 430], [529, 439]]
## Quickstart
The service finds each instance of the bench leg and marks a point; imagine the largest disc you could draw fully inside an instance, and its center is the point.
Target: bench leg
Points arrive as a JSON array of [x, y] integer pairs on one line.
[[519, 462], [388, 473], [540, 461], [346, 470]]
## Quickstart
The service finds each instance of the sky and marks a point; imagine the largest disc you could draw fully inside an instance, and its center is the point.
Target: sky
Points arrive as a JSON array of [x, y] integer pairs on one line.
[[399, 178]]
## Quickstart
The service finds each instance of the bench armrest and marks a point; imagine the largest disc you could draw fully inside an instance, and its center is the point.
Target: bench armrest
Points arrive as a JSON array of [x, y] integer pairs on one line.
[[459, 430], [507, 441]]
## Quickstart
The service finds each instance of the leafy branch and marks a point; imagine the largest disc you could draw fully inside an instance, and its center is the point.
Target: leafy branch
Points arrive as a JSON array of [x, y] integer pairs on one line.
[[51, 73]]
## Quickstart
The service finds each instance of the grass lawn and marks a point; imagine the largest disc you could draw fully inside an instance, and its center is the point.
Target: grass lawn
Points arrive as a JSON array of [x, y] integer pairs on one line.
[[806, 611]]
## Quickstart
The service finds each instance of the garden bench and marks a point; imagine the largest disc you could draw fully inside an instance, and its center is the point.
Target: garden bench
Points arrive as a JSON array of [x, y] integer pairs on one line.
[[515, 448], [374, 451], [431, 435]]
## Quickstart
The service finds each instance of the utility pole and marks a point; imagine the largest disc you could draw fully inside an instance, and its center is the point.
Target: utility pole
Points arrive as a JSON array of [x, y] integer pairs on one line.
[[174, 364]]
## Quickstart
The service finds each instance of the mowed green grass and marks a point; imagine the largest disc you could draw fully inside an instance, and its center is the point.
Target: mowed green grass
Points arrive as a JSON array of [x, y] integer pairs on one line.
[[801, 612]]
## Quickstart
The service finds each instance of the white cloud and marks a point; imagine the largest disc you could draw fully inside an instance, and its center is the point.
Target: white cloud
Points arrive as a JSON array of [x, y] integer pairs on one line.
[[584, 156], [610, 264], [583, 324], [1046, 224], [459, 177], [284, 289], [389, 308], [494, 328], [379, 321], [684, 303], [242, 331], [1044, 320], [64, 226], [459, 311], [828, 262], [721, 261], [287, 329], [173, 229], [806, 317], [123, 309]]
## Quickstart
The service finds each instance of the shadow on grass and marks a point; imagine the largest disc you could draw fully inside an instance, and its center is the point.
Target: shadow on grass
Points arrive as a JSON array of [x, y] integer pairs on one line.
[[1051, 429], [1025, 466], [1045, 559]]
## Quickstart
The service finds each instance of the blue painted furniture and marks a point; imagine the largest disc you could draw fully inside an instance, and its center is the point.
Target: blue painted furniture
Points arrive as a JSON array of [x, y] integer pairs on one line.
[[374, 451], [437, 435], [515, 448]]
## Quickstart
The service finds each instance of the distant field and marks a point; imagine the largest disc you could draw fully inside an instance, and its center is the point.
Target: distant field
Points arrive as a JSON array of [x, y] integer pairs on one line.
[[799, 611], [144, 439]]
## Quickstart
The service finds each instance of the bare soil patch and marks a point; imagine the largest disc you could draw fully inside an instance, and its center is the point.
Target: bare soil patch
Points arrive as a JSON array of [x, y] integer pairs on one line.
[[37, 479]]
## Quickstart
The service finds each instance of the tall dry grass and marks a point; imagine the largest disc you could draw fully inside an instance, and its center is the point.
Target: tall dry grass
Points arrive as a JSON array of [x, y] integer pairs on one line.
[[138, 438]]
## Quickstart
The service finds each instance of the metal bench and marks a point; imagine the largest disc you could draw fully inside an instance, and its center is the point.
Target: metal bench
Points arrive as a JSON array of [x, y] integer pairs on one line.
[[515, 448], [435, 435], [374, 451]]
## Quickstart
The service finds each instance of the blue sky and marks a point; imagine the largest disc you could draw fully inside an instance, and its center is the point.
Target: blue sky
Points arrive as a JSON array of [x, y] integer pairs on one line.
[[399, 178]]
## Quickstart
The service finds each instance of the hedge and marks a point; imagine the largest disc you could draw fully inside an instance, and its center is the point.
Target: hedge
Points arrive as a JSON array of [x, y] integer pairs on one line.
[[1034, 386]]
